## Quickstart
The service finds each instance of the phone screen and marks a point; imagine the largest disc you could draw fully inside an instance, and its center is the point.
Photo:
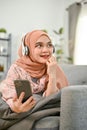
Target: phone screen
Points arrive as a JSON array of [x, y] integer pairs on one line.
[[23, 86]]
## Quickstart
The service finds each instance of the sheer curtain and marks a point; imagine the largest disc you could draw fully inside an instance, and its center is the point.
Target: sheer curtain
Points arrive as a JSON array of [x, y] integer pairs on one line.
[[73, 15], [80, 54]]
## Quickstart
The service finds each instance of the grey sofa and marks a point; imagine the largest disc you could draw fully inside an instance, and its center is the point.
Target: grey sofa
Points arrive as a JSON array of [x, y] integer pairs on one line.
[[74, 99]]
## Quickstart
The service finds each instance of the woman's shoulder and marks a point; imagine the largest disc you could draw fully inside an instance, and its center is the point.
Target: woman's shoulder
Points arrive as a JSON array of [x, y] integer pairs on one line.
[[16, 69], [14, 66]]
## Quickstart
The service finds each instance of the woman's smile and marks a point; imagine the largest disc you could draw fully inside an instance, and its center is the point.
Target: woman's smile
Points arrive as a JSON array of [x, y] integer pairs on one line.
[[45, 56]]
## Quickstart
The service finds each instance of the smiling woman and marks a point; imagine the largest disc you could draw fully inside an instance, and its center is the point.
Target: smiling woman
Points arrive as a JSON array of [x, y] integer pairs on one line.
[[37, 64], [40, 68]]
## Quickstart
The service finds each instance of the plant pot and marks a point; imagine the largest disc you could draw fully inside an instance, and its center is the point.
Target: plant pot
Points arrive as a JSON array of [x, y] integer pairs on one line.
[[2, 35]]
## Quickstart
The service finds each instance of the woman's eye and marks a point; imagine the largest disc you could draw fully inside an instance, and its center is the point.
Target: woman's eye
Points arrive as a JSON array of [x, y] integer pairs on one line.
[[39, 46], [50, 45]]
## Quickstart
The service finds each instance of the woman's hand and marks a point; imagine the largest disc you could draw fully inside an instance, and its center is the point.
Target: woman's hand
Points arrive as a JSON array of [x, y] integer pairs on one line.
[[19, 107], [51, 71], [51, 67]]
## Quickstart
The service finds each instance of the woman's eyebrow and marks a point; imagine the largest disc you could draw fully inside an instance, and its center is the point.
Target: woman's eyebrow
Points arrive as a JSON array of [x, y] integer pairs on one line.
[[38, 43], [49, 42]]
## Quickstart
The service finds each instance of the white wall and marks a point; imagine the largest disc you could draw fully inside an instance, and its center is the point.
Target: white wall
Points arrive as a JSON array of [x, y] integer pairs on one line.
[[21, 16]]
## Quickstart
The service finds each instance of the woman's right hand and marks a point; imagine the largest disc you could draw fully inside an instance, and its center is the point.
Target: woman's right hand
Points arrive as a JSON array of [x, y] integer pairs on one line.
[[19, 107]]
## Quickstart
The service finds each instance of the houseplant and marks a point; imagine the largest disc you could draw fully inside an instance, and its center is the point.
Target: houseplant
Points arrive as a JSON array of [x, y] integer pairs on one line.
[[3, 32], [61, 57]]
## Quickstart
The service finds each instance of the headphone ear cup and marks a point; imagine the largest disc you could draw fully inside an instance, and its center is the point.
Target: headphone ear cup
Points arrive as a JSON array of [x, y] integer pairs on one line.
[[25, 50], [53, 49]]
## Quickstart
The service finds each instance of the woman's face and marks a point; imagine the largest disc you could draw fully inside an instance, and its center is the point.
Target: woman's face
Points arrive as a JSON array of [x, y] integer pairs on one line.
[[43, 49]]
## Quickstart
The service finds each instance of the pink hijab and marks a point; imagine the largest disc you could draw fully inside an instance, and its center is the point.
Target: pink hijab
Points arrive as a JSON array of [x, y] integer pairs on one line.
[[34, 68], [28, 63]]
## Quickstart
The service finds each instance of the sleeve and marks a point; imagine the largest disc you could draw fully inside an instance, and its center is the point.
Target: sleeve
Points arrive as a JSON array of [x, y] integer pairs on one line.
[[7, 87]]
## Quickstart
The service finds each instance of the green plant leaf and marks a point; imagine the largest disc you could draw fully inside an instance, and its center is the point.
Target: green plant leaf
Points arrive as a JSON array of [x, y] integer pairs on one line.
[[61, 30], [3, 30], [60, 51]]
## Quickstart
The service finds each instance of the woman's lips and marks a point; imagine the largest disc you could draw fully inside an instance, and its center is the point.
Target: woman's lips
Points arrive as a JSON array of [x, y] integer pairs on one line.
[[45, 56]]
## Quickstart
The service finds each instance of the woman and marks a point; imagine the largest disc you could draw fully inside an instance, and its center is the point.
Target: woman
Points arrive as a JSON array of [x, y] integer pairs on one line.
[[37, 64]]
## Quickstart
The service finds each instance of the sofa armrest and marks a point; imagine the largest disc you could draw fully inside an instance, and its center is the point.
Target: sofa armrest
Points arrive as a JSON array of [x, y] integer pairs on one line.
[[73, 114]]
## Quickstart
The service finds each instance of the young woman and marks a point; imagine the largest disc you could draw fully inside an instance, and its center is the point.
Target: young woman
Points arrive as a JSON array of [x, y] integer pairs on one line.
[[37, 64]]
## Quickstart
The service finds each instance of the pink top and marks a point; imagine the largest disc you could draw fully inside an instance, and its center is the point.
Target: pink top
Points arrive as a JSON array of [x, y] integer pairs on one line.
[[7, 87]]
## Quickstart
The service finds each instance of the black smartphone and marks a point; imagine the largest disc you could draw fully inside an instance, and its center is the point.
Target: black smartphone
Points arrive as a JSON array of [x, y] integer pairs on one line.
[[23, 86]]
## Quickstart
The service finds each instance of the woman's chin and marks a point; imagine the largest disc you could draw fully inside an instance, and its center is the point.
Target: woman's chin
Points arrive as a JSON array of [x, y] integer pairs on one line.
[[43, 61]]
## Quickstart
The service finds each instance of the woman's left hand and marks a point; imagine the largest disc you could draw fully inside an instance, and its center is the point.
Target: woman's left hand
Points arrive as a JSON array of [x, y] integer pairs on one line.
[[51, 71], [51, 67]]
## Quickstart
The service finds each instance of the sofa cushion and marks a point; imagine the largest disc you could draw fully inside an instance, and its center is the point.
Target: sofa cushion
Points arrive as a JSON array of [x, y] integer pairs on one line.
[[76, 74]]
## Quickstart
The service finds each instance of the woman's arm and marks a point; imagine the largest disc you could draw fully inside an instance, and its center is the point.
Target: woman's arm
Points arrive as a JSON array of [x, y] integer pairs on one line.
[[51, 71], [57, 78]]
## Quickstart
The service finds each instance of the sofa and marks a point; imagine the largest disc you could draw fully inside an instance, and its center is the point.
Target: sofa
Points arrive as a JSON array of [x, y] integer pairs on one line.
[[73, 104], [73, 114]]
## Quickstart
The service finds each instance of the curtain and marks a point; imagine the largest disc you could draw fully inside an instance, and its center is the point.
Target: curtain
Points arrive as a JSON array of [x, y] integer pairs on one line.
[[73, 15], [80, 51]]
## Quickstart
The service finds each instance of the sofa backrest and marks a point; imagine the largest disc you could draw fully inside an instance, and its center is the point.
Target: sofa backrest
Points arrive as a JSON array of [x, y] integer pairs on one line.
[[76, 74]]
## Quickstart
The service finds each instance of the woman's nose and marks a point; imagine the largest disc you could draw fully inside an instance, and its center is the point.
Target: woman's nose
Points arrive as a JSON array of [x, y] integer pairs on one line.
[[45, 49]]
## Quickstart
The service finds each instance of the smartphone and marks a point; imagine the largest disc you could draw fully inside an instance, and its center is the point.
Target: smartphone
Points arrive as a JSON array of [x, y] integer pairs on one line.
[[23, 86]]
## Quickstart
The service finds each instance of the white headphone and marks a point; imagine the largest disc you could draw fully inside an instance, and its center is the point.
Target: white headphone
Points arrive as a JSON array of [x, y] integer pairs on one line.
[[25, 49]]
